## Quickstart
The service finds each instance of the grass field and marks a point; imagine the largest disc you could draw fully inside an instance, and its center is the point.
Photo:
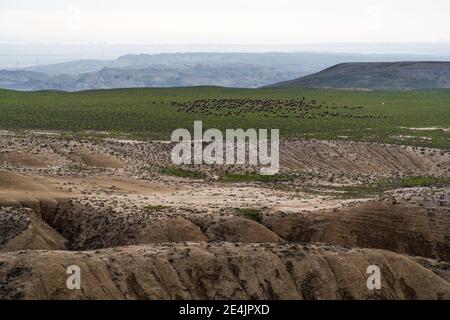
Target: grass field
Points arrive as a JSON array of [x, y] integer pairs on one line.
[[149, 113]]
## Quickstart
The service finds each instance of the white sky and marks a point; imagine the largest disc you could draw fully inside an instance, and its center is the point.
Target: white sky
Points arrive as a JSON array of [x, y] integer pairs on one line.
[[220, 21]]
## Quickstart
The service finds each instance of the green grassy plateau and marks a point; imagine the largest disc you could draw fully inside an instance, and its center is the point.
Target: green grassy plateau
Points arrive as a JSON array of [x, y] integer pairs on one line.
[[153, 113]]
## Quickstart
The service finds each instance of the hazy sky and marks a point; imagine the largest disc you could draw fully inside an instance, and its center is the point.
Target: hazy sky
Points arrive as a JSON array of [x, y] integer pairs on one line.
[[230, 21]]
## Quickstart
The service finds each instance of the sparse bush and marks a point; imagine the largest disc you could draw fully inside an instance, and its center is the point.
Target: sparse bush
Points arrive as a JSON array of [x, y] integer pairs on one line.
[[253, 177], [417, 181], [250, 213], [183, 173], [154, 208]]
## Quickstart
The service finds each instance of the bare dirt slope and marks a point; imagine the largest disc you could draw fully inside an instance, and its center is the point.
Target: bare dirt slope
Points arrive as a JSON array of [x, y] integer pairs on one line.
[[22, 229], [413, 226], [360, 157], [217, 271]]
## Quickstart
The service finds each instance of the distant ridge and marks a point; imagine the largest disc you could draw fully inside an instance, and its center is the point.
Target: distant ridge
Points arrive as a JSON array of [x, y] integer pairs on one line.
[[377, 76], [240, 70]]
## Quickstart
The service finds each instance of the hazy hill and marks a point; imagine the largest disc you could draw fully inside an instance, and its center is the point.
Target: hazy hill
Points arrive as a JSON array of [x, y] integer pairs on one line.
[[377, 76], [20, 79], [242, 70], [226, 75], [301, 62]]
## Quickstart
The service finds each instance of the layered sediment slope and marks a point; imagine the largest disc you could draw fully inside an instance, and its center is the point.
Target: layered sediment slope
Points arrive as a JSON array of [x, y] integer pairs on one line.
[[217, 271], [414, 226]]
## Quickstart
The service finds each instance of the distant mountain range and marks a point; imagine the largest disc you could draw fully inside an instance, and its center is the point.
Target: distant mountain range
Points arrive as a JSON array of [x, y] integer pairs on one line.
[[226, 75], [377, 76], [244, 70]]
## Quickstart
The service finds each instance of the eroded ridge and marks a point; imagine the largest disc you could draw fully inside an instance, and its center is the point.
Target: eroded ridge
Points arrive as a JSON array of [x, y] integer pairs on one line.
[[217, 271]]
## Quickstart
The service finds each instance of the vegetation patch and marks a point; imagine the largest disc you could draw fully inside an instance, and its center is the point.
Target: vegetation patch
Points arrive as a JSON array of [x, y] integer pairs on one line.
[[250, 213], [183, 173], [155, 208], [378, 188], [420, 181], [254, 177]]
